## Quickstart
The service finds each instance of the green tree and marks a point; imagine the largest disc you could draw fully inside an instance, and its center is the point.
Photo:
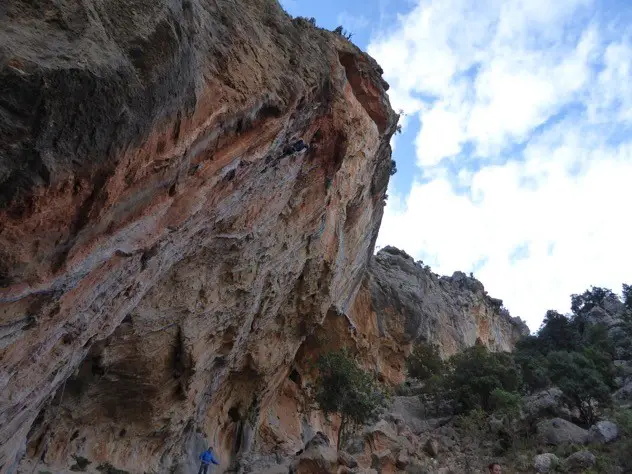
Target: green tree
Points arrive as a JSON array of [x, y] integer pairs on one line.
[[603, 363], [529, 356], [344, 388], [627, 296], [622, 335], [597, 337], [424, 362], [475, 373], [557, 333], [582, 304], [581, 382], [623, 419], [393, 167], [505, 403]]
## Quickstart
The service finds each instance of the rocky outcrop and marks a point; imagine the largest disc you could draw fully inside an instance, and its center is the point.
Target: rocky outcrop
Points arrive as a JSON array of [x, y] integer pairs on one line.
[[399, 303], [624, 395], [402, 301], [165, 248], [559, 431], [452, 312], [318, 457], [580, 461], [546, 403], [609, 312], [603, 432], [545, 462]]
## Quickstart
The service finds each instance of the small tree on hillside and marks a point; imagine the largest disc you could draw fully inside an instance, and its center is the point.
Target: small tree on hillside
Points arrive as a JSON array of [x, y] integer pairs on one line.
[[627, 296], [529, 356], [623, 337], [344, 388], [623, 333], [582, 304], [581, 382], [557, 333]]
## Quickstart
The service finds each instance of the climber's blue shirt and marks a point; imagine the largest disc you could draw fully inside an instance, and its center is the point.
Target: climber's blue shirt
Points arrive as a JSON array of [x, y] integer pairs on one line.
[[207, 457]]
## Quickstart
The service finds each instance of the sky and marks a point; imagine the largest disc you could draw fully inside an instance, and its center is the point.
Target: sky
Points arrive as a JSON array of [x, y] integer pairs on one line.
[[515, 157]]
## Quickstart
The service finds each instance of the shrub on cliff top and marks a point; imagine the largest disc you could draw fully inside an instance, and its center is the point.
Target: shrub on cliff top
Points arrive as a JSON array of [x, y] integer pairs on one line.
[[344, 33], [393, 167], [344, 388]]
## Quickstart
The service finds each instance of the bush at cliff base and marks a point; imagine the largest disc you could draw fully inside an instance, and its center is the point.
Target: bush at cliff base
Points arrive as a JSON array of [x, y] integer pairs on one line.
[[345, 389]]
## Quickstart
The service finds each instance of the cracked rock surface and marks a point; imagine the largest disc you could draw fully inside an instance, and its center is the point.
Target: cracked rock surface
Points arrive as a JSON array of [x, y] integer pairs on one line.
[[162, 255]]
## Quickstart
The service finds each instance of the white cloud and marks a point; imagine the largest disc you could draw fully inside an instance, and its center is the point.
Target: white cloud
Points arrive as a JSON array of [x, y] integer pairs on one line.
[[438, 122], [542, 95], [580, 215], [612, 92], [526, 67]]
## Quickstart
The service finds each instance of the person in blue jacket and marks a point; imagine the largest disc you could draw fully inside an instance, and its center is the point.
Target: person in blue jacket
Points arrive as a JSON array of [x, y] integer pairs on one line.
[[207, 458]]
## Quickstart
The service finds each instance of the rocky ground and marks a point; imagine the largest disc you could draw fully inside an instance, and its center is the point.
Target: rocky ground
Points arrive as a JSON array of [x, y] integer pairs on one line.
[[409, 439], [419, 433]]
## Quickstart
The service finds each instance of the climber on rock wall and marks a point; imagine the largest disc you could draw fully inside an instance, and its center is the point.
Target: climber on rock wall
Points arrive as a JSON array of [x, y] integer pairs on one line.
[[295, 147], [206, 458]]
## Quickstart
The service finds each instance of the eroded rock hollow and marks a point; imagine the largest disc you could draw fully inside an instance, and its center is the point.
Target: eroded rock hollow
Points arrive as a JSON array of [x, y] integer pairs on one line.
[[167, 242]]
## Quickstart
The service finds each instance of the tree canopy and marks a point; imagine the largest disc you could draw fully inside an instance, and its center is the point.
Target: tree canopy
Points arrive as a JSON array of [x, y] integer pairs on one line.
[[574, 352]]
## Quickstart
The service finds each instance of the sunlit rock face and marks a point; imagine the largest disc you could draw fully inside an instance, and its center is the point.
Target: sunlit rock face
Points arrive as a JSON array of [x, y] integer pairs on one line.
[[167, 243], [411, 303]]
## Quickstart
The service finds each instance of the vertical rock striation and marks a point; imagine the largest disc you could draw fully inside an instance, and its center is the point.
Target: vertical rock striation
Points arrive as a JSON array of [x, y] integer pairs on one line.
[[165, 248], [190, 193]]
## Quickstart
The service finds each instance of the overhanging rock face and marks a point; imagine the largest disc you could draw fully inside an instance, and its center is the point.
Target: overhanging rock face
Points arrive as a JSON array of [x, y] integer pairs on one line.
[[165, 247]]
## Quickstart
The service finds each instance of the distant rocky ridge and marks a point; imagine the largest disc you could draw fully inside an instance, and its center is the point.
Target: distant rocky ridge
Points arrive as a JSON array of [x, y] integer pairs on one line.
[[401, 302], [416, 434], [452, 312]]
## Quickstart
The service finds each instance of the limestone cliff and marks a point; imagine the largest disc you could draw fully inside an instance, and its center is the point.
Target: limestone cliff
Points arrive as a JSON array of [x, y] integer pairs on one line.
[[408, 302], [190, 193], [167, 243], [399, 302]]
